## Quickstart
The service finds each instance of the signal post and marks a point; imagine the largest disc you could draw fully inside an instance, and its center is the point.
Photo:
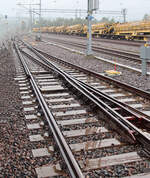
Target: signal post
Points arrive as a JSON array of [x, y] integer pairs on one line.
[[93, 5]]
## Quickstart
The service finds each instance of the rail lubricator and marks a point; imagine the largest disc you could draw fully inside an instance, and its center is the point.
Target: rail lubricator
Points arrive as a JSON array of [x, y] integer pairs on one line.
[[134, 134], [72, 165]]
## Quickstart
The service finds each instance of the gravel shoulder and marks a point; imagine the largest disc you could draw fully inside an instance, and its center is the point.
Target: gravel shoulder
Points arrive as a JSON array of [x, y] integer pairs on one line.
[[15, 159], [77, 39], [53, 38]]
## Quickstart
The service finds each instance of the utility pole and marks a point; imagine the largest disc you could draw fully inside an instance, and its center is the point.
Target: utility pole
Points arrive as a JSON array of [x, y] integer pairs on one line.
[[93, 5], [80, 13], [76, 14], [124, 12], [89, 32], [40, 19], [6, 21], [30, 10], [30, 14]]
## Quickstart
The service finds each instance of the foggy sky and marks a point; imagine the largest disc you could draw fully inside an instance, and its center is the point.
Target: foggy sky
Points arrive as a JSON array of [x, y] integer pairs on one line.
[[135, 8]]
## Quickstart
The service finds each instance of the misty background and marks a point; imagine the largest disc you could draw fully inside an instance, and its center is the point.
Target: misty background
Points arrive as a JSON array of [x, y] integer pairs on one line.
[[135, 8], [14, 17]]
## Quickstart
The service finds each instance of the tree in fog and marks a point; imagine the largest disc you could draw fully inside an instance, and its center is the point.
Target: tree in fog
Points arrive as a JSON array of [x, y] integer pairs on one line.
[[107, 20], [23, 26], [146, 17], [72, 21]]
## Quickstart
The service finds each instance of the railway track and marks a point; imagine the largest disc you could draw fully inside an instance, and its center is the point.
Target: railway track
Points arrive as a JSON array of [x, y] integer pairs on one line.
[[96, 44], [113, 52], [120, 42], [100, 140], [139, 99], [115, 57], [134, 63]]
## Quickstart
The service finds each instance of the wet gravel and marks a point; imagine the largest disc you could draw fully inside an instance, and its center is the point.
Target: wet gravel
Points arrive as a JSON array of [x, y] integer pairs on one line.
[[120, 170], [96, 65], [15, 159], [99, 153], [81, 126], [86, 138], [132, 49]]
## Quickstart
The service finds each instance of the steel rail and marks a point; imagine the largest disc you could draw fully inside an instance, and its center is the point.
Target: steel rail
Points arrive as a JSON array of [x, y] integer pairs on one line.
[[121, 42], [106, 40], [131, 109], [135, 114], [89, 95], [135, 133], [128, 127], [117, 53], [97, 47], [139, 92], [117, 83], [72, 165]]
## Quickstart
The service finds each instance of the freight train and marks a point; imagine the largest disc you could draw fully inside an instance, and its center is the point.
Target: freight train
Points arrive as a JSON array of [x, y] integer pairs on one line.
[[129, 31]]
